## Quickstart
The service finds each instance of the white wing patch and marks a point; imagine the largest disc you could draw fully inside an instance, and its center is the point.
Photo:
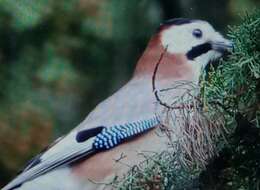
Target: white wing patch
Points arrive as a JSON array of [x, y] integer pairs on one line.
[[69, 149], [64, 152]]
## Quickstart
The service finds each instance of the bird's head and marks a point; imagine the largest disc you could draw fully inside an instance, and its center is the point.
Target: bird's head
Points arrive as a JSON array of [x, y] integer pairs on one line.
[[188, 44], [197, 39]]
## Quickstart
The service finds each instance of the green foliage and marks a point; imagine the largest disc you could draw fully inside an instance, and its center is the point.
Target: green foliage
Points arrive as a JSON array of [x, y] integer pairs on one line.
[[233, 88], [235, 84], [159, 172], [25, 14]]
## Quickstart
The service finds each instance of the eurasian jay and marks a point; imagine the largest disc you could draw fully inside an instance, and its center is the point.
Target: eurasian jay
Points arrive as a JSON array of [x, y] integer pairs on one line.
[[109, 141]]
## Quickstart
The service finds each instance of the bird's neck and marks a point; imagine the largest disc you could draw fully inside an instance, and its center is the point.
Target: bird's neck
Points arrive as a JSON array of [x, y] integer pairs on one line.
[[172, 67]]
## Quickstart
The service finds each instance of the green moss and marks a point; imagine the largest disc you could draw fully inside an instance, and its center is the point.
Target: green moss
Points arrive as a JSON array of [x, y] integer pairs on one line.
[[235, 84], [233, 88]]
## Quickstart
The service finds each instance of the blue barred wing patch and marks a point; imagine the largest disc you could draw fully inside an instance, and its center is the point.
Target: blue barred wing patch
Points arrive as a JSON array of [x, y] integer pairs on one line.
[[112, 136]]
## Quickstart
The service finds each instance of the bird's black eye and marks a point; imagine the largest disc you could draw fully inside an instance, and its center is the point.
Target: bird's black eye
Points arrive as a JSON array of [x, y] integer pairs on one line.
[[197, 33]]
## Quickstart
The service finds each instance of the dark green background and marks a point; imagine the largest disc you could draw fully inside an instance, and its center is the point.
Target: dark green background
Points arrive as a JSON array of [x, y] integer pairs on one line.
[[58, 59]]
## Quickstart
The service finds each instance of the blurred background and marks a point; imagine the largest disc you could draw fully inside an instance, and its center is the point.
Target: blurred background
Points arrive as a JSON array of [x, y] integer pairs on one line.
[[58, 59]]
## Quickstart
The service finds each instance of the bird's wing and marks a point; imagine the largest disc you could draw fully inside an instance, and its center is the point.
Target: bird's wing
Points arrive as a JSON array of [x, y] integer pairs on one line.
[[81, 144]]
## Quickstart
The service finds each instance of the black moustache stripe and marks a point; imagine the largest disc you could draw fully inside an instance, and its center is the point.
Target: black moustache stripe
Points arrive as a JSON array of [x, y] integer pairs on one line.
[[197, 51]]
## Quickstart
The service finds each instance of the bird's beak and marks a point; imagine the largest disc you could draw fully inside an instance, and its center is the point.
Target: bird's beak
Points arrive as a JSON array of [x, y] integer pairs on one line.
[[222, 45]]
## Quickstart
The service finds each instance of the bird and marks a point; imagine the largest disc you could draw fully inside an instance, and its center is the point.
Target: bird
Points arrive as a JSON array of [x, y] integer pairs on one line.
[[108, 142]]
